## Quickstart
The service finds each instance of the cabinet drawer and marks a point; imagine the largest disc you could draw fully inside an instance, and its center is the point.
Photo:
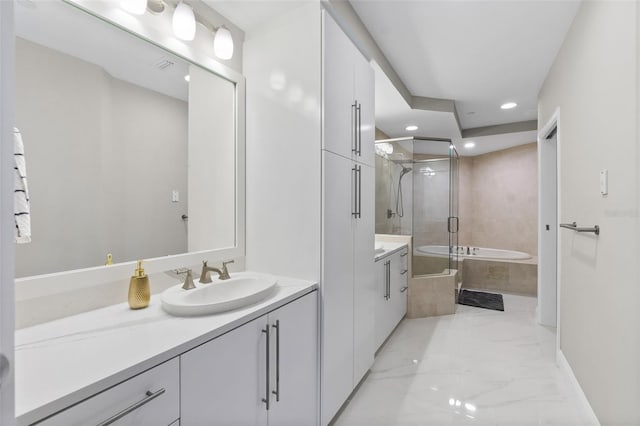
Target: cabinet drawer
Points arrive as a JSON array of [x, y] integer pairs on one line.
[[148, 399]]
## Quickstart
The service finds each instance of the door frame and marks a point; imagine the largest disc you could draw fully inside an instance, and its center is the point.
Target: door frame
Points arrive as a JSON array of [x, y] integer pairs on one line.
[[553, 124], [7, 299]]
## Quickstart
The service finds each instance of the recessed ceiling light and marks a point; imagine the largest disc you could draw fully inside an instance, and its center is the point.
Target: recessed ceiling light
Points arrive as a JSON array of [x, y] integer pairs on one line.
[[508, 105], [411, 128], [469, 144], [187, 78]]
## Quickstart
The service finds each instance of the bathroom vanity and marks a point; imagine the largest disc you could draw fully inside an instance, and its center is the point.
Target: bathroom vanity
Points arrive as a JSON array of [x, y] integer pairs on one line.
[[391, 289], [255, 365]]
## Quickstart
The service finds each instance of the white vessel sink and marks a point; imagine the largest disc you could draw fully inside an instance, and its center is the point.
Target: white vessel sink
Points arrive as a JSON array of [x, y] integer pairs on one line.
[[242, 289]]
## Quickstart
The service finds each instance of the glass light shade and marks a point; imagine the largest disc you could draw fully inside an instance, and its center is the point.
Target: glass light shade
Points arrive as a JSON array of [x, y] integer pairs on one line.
[[136, 7], [223, 43], [184, 22]]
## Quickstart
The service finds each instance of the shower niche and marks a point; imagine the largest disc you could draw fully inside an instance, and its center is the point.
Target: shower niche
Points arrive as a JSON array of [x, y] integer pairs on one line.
[[417, 195]]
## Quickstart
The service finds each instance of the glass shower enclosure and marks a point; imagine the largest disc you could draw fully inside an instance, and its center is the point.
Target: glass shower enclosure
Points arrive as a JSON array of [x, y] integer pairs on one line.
[[417, 194]]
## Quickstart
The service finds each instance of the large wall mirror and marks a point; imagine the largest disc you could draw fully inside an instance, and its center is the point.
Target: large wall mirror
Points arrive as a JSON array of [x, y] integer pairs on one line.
[[130, 149]]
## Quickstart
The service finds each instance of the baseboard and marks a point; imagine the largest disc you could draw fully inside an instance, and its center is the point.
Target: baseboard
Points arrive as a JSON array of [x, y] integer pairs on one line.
[[590, 416]]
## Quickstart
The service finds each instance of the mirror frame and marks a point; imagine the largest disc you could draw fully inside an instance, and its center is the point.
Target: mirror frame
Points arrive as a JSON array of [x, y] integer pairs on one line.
[[42, 285]]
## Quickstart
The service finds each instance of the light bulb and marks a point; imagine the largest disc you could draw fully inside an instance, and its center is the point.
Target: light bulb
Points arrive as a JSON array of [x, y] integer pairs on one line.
[[223, 43], [136, 7], [184, 22]]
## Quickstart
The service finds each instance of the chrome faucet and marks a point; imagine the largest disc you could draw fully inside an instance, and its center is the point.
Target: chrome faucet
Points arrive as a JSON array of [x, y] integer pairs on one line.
[[205, 276]]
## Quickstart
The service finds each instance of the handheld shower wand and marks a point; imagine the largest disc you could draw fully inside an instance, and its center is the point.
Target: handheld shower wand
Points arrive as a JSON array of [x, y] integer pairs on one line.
[[399, 200]]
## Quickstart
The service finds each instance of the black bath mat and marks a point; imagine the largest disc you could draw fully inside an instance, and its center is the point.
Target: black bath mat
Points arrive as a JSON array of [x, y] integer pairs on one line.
[[480, 299]]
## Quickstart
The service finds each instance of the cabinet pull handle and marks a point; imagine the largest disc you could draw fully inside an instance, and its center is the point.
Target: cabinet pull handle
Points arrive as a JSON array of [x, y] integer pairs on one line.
[[354, 109], [354, 212], [359, 128], [404, 272], [403, 289], [148, 398], [404, 254], [388, 281], [266, 394], [277, 391], [359, 175]]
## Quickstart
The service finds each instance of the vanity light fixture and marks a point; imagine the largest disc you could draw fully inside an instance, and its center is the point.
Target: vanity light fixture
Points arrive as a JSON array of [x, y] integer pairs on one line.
[[135, 7], [411, 128], [469, 144], [508, 105], [184, 22], [223, 43]]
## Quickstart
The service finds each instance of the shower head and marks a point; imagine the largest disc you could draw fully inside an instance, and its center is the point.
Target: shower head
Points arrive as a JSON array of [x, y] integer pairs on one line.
[[405, 170]]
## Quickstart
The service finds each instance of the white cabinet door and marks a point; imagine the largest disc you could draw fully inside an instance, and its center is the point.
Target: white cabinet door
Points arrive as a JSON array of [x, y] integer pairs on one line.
[[381, 320], [223, 382], [364, 291], [337, 283], [398, 293], [364, 81], [294, 371], [338, 89]]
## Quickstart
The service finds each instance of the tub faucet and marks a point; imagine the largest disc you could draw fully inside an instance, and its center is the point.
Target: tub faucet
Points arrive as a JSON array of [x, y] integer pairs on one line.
[[468, 250], [205, 276]]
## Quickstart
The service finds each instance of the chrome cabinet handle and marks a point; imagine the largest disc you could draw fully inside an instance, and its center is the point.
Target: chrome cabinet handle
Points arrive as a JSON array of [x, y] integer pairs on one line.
[[266, 394], [359, 129], [387, 288], [359, 176], [277, 391], [404, 254], [354, 108], [354, 212], [403, 289], [149, 397], [404, 272]]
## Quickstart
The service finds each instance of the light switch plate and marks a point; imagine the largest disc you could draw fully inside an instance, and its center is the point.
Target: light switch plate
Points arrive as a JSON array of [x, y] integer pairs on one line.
[[604, 182], [175, 196]]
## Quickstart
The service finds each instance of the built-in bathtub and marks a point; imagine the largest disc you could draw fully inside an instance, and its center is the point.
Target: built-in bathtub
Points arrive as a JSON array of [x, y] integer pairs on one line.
[[473, 252], [482, 268]]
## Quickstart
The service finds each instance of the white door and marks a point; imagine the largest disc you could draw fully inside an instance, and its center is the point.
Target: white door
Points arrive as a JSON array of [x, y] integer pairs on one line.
[[6, 215], [548, 225], [294, 370], [364, 284], [337, 283], [338, 91], [223, 382]]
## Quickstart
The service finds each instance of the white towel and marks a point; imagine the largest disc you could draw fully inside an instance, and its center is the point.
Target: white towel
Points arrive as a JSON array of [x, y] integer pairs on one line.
[[21, 209]]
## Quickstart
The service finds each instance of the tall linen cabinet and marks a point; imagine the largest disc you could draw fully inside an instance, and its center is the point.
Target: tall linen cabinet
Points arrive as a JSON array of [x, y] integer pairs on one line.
[[310, 181]]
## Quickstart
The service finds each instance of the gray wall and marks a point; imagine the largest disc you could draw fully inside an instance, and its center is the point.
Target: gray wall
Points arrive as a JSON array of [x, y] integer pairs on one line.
[[102, 158], [594, 82]]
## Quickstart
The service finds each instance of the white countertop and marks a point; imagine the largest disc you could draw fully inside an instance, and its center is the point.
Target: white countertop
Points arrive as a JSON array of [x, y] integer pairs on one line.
[[389, 248], [62, 362]]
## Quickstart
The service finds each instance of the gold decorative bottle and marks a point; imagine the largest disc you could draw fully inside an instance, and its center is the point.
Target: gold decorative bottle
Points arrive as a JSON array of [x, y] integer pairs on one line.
[[139, 291]]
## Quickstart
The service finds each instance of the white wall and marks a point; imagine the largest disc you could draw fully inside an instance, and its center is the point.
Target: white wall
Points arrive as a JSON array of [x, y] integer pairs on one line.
[[594, 82], [282, 63], [98, 181]]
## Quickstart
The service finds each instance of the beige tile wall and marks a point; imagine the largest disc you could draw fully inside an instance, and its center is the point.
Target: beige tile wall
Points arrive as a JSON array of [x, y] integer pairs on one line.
[[499, 199]]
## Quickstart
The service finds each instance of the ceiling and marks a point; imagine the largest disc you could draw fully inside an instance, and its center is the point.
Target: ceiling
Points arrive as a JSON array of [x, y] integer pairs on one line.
[[480, 54]]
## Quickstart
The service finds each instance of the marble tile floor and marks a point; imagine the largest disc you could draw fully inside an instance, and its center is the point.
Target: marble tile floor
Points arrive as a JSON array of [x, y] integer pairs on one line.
[[476, 367]]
